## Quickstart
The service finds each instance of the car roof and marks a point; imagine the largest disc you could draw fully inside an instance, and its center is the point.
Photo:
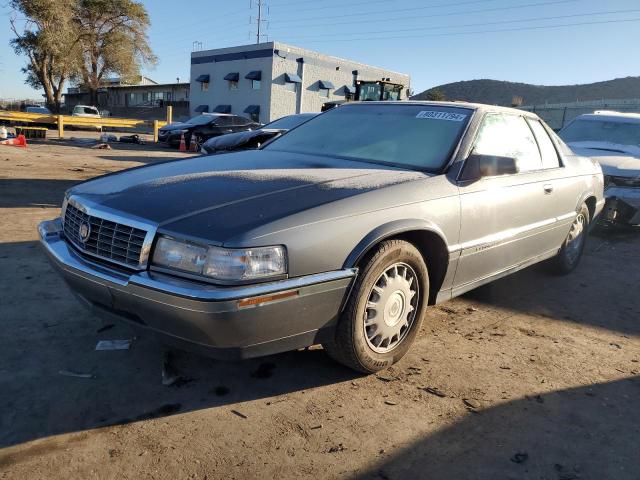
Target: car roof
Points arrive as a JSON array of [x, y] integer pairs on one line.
[[216, 114], [622, 117], [456, 104]]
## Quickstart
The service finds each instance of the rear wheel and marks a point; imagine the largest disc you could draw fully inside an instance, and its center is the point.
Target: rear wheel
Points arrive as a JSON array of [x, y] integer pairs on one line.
[[385, 309], [571, 251], [199, 140]]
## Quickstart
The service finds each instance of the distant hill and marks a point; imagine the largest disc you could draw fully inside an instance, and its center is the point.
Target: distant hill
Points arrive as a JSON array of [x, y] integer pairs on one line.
[[496, 92]]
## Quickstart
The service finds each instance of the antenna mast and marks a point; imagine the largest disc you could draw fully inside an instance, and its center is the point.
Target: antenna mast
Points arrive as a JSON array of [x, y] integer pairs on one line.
[[261, 6]]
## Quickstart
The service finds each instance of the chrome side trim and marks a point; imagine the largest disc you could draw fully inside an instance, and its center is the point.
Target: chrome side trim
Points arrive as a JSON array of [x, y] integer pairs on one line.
[[68, 259], [505, 236], [100, 211]]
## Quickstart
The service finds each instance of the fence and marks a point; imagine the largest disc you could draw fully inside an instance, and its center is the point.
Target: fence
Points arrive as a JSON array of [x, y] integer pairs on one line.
[[557, 115], [67, 120]]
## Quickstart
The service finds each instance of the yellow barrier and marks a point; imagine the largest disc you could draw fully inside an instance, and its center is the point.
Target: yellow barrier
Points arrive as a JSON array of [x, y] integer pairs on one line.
[[63, 120]]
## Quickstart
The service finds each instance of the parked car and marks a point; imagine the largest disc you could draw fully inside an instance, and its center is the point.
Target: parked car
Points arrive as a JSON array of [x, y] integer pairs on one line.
[[340, 232], [253, 139], [613, 139], [86, 111], [30, 109], [38, 109], [203, 127]]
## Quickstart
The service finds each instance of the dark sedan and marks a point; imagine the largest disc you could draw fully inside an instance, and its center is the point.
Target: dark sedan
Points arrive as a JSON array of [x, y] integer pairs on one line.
[[339, 233], [203, 127], [253, 139]]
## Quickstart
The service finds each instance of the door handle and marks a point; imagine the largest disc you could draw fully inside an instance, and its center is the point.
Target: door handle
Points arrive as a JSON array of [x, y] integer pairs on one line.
[[548, 188]]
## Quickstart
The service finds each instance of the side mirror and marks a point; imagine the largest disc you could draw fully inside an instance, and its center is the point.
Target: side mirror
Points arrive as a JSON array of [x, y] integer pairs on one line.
[[477, 166]]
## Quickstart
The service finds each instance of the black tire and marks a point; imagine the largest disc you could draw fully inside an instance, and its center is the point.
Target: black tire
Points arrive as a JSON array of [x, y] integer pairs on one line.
[[569, 256], [351, 345]]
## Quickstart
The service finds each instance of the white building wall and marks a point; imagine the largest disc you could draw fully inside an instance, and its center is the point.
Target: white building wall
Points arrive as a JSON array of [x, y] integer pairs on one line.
[[219, 92], [274, 98], [318, 67]]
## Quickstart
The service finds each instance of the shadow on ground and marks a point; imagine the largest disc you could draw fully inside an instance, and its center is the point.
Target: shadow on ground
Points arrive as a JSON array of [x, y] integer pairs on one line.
[[18, 192], [52, 332], [527, 439], [536, 290]]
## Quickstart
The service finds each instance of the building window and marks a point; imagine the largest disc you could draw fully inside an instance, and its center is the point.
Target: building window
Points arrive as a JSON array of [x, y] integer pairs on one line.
[[255, 76], [254, 112], [204, 86], [291, 81], [233, 85], [324, 86]]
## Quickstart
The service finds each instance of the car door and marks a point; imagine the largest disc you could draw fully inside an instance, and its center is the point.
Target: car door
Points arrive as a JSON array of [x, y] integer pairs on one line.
[[505, 220], [567, 188]]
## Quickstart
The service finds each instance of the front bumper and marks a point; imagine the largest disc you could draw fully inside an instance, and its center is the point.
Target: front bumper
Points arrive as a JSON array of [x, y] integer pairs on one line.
[[204, 317], [622, 205]]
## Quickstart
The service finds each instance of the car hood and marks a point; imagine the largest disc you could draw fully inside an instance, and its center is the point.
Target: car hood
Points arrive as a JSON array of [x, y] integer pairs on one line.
[[615, 160], [222, 196], [235, 140]]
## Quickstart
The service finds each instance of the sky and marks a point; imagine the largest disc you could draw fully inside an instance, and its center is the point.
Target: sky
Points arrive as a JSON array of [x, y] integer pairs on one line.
[[544, 42]]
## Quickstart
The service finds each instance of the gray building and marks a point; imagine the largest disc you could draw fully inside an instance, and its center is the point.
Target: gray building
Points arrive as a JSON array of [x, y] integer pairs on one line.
[[266, 81]]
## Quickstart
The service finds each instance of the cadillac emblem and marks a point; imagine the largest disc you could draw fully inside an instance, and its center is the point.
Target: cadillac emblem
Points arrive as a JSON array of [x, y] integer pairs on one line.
[[84, 231]]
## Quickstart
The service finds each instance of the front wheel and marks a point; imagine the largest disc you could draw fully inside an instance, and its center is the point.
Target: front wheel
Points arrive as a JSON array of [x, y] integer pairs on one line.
[[385, 310], [571, 251]]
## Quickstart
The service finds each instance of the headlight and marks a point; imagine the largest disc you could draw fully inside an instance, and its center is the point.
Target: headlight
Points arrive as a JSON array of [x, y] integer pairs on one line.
[[220, 263]]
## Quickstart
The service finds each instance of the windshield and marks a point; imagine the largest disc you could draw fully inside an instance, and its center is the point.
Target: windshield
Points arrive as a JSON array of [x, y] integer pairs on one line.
[[415, 136], [289, 122], [200, 119], [621, 133], [369, 92], [81, 109]]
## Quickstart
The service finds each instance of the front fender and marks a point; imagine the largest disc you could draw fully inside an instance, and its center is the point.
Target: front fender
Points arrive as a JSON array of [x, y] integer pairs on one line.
[[389, 230]]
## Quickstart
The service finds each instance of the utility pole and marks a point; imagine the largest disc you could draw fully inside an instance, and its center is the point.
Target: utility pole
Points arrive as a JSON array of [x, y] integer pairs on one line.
[[262, 6]]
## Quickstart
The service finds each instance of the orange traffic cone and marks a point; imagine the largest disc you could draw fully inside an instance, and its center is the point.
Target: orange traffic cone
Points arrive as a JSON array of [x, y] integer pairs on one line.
[[20, 141], [193, 146], [183, 145]]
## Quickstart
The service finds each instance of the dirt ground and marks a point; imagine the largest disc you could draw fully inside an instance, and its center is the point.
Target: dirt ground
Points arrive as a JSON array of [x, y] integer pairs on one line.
[[532, 377]]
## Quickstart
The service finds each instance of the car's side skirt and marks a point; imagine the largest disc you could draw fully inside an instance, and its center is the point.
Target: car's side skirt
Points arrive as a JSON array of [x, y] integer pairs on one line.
[[448, 294]]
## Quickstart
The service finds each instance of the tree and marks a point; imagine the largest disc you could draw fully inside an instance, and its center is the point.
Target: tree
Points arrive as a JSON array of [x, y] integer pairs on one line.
[[517, 101], [113, 39], [48, 39], [80, 40], [435, 95]]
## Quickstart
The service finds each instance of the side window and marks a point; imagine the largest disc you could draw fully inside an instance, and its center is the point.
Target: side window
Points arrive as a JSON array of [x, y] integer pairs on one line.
[[508, 136], [547, 150], [223, 122], [240, 121]]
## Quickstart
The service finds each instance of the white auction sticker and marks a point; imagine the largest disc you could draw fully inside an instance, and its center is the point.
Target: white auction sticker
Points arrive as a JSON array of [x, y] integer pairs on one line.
[[452, 117]]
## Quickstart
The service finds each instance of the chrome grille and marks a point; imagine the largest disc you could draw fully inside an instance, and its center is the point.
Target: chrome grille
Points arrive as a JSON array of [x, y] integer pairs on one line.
[[111, 241]]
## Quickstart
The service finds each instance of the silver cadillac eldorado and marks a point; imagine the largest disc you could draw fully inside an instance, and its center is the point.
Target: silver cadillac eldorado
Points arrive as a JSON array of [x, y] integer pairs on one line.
[[340, 232]]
